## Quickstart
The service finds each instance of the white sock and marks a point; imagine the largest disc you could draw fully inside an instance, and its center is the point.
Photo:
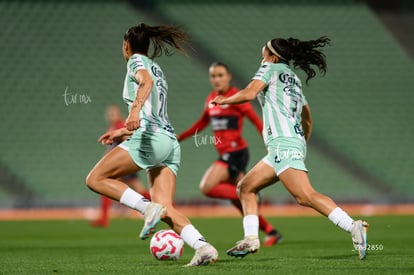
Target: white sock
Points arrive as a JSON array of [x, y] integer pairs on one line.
[[251, 225], [340, 218], [134, 200], [192, 237]]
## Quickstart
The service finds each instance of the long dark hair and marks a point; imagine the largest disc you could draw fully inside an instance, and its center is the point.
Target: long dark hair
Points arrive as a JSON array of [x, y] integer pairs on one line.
[[162, 37], [302, 53]]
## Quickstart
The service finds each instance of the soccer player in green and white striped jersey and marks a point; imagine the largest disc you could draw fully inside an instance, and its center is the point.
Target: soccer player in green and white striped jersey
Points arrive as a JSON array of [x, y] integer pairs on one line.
[[281, 102], [287, 125], [151, 143], [153, 114]]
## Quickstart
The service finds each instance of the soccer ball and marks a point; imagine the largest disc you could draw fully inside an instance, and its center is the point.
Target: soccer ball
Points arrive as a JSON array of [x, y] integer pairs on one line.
[[166, 245]]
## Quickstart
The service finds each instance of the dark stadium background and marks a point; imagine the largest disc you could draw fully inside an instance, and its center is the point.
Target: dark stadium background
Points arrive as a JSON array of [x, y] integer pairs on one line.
[[61, 65]]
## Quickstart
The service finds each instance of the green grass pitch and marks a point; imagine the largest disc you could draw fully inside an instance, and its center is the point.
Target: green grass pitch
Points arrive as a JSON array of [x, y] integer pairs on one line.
[[311, 245]]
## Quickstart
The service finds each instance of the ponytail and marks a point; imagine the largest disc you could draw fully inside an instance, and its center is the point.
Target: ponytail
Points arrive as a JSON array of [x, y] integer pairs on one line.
[[162, 38], [302, 53]]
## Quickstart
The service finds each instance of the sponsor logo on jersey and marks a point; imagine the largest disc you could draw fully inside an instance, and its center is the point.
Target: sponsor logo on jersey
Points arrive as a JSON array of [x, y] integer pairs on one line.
[[288, 79], [157, 72], [219, 123]]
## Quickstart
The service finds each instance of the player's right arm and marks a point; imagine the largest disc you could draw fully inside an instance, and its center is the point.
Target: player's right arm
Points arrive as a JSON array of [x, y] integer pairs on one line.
[[198, 126], [145, 83], [247, 94], [306, 121]]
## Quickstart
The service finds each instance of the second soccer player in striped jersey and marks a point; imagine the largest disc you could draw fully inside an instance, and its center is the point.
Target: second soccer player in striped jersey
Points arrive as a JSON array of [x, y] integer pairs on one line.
[[287, 127], [220, 179]]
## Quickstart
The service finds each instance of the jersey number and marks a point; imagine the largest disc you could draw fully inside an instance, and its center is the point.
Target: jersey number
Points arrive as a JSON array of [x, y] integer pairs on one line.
[[163, 104], [294, 108]]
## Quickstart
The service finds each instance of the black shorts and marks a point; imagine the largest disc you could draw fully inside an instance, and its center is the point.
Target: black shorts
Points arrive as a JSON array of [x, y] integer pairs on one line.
[[236, 162]]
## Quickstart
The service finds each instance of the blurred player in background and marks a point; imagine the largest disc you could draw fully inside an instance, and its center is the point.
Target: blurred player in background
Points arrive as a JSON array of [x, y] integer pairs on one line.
[[152, 144], [115, 120], [287, 127], [220, 179]]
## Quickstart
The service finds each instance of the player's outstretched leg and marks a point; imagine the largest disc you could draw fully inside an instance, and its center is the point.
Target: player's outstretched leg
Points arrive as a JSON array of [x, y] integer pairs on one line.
[[103, 180], [162, 191], [298, 184]]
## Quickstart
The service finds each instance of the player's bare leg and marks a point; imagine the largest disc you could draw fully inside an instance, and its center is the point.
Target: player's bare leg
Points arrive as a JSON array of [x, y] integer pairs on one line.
[[216, 183], [215, 175], [298, 184], [103, 179], [162, 190], [136, 184], [261, 176], [273, 236], [162, 183]]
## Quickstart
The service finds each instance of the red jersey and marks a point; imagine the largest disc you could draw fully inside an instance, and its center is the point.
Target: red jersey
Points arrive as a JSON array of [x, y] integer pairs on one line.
[[116, 125], [226, 122]]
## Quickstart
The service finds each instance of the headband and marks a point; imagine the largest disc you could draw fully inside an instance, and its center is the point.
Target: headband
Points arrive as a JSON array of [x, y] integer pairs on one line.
[[269, 45]]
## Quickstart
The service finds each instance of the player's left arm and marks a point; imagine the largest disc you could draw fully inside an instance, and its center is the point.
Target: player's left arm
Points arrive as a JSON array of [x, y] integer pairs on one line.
[[114, 136], [247, 94], [144, 89], [306, 121]]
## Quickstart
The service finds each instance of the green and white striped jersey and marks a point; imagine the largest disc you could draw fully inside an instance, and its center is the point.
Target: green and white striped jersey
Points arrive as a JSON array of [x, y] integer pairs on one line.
[[153, 115], [281, 101]]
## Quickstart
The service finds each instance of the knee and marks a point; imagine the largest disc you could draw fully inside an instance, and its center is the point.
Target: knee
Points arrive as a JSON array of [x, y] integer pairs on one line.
[[92, 180], [204, 187], [304, 199], [244, 189]]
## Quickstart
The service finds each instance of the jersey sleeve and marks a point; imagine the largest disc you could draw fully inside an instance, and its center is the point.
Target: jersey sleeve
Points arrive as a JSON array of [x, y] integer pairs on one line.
[[264, 73], [135, 63], [198, 126], [251, 114]]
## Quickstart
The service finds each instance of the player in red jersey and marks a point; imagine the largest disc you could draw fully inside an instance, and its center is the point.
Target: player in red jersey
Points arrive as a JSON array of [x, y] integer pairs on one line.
[[219, 181], [115, 121]]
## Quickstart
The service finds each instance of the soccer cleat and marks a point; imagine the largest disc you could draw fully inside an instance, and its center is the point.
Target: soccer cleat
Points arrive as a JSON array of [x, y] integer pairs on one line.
[[272, 239], [359, 237], [152, 216], [250, 244], [205, 255]]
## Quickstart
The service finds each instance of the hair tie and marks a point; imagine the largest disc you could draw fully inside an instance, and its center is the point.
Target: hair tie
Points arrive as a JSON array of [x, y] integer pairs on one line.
[[270, 47]]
